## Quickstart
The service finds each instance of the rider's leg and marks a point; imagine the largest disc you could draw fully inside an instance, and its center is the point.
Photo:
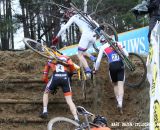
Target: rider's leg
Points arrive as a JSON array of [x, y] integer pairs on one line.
[[115, 87], [92, 58], [83, 60], [45, 98], [116, 91], [71, 106], [120, 93], [118, 86], [45, 101], [85, 42]]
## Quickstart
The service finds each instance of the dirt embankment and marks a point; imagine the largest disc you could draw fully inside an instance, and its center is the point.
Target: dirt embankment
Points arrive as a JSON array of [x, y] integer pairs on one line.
[[26, 65]]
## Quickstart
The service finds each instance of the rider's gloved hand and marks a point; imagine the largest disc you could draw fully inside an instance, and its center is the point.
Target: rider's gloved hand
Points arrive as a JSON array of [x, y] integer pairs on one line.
[[45, 79], [55, 40]]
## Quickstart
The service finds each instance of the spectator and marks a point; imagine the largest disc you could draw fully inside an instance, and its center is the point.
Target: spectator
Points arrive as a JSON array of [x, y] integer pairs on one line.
[[154, 14]]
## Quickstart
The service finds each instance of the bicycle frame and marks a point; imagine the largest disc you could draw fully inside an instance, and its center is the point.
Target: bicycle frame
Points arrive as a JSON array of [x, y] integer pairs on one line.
[[55, 53], [85, 125], [78, 126]]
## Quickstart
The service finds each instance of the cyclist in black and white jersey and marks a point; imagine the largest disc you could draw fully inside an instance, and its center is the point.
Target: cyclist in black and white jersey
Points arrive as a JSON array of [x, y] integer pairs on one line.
[[116, 71], [87, 37]]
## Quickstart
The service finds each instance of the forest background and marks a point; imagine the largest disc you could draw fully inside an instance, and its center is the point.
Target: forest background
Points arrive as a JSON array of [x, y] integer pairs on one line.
[[42, 19]]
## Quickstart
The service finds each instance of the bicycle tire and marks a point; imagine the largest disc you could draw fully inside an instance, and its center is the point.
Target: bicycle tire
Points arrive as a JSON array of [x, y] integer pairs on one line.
[[64, 123], [111, 31], [35, 46], [137, 77]]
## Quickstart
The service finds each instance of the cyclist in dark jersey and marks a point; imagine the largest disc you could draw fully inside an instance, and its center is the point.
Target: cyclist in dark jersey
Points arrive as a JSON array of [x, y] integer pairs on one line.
[[116, 71], [60, 77]]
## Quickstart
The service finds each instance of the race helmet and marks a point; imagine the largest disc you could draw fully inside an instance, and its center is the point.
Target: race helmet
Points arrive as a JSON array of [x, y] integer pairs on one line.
[[100, 120], [69, 13]]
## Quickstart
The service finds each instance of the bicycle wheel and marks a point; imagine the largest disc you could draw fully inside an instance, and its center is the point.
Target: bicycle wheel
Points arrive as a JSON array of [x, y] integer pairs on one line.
[[137, 77], [111, 31], [62, 123], [36, 47]]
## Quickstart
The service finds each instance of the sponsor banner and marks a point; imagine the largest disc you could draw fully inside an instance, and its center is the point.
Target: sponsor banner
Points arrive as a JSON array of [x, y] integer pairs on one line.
[[153, 74], [134, 41]]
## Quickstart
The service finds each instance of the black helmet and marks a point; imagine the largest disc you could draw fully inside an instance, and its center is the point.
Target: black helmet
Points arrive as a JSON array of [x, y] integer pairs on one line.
[[100, 120]]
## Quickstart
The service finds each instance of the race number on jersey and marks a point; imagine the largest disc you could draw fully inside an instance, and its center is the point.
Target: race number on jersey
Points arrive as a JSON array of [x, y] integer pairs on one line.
[[60, 68], [115, 57]]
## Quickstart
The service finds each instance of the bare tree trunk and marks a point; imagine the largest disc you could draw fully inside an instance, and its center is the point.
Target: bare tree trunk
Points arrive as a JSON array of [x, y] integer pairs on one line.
[[26, 30], [85, 5]]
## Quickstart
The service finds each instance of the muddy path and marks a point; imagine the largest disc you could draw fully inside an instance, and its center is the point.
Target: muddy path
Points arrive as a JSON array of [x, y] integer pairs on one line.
[[21, 100]]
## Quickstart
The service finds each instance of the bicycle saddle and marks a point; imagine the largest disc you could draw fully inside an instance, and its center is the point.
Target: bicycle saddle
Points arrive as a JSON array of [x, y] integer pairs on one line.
[[82, 111]]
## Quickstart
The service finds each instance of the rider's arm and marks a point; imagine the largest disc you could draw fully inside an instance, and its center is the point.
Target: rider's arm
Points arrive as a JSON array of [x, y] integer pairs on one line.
[[63, 28], [45, 73], [98, 61], [124, 50], [71, 65]]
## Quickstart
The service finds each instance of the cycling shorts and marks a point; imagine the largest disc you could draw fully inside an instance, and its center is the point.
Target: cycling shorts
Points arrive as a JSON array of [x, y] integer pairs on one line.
[[59, 79], [86, 41], [116, 71]]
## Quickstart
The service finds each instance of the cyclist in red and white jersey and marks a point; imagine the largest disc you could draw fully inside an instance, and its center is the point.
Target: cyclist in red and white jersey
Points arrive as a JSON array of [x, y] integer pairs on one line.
[[87, 37], [116, 71]]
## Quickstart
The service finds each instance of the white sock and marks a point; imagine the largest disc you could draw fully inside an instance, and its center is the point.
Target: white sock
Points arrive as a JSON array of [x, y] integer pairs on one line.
[[120, 100], [44, 109]]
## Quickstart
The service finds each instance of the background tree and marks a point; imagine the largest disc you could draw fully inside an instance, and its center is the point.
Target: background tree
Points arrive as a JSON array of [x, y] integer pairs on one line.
[[42, 19], [6, 28]]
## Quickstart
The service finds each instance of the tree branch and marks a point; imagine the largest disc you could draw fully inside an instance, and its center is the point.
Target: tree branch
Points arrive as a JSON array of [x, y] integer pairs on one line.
[[93, 13], [96, 7]]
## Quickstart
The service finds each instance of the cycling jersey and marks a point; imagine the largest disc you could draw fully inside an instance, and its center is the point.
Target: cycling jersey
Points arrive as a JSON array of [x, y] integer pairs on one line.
[[116, 65], [110, 53], [61, 75], [87, 37], [58, 67]]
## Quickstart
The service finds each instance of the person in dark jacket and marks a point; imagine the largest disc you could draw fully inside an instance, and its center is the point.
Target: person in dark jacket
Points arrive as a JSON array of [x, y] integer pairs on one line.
[[154, 15]]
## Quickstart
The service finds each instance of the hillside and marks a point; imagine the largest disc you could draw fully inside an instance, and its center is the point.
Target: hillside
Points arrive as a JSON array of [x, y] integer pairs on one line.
[[21, 92]]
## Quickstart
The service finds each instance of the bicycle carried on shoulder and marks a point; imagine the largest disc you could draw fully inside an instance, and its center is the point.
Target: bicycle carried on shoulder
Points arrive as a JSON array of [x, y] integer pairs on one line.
[[136, 69], [63, 123], [53, 54]]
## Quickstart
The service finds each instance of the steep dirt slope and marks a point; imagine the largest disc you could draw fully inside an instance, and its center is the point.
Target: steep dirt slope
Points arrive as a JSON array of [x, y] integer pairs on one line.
[[21, 101]]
